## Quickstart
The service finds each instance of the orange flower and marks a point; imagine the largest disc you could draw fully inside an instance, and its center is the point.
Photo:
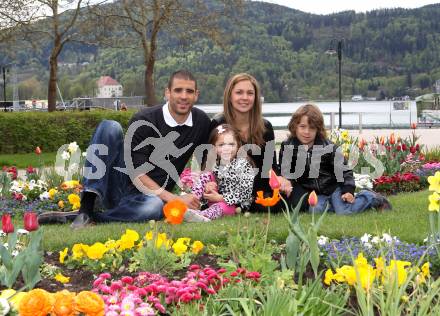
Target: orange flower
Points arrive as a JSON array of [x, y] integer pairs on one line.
[[38, 150], [382, 140], [362, 144], [89, 303], [64, 304], [270, 201], [174, 211], [392, 139], [273, 180], [37, 302], [313, 199], [413, 125]]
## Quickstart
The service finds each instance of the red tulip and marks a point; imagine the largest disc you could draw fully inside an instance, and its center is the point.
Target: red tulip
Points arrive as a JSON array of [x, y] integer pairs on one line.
[[30, 170], [412, 150], [38, 150], [30, 221], [7, 225], [313, 199], [273, 180], [413, 125]]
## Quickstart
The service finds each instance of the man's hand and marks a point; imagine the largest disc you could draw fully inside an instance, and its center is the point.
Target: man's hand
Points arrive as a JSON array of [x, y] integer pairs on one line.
[[286, 185], [191, 201], [211, 187], [347, 197], [213, 197]]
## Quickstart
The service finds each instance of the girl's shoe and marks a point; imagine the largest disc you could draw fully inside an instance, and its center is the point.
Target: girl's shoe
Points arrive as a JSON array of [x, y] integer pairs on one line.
[[193, 216]]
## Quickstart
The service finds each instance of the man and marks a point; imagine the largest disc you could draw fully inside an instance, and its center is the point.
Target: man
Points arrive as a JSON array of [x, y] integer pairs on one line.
[[135, 189]]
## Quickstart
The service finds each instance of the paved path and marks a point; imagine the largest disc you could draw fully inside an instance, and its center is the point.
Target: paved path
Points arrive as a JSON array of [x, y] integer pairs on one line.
[[428, 137]]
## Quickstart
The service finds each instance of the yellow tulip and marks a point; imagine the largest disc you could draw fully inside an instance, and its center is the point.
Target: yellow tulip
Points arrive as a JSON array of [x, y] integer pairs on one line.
[[434, 182], [434, 205]]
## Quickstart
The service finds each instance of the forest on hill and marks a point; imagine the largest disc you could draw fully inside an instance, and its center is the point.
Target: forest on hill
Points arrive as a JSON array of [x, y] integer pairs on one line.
[[386, 53]]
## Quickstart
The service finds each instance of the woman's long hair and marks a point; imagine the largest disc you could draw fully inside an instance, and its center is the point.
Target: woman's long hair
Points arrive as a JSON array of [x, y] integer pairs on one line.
[[256, 123]]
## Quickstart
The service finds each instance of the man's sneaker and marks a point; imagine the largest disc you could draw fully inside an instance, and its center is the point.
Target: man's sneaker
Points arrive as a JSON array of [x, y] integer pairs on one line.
[[193, 216], [81, 221], [56, 217], [383, 203]]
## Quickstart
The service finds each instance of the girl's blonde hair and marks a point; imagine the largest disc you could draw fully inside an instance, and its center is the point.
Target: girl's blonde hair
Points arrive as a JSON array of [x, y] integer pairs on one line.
[[315, 119], [256, 123]]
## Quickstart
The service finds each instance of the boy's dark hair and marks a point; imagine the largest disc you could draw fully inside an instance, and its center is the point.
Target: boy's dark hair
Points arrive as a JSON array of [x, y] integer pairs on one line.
[[181, 74]]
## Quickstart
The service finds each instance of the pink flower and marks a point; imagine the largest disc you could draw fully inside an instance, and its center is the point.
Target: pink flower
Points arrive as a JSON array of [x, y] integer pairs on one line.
[[194, 267], [145, 309], [127, 279], [105, 276]]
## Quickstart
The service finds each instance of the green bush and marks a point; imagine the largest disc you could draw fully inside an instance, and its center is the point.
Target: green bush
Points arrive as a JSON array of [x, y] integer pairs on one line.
[[22, 132]]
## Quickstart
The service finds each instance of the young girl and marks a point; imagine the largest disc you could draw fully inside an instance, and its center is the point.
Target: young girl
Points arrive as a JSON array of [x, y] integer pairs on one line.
[[230, 183], [318, 170]]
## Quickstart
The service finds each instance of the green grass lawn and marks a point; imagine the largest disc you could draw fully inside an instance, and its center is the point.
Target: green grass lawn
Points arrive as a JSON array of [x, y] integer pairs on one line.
[[408, 220], [22, 161]]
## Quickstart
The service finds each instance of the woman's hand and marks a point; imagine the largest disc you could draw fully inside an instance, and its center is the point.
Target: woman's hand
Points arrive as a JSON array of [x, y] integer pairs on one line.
[[213, 197], [286, 185], [347, 197]]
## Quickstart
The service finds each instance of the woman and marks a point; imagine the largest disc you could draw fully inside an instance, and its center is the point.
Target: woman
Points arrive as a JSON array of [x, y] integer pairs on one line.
[[242, 110]]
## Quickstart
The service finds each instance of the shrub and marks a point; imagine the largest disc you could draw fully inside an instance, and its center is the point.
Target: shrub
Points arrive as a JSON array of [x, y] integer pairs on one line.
[[22, 132]]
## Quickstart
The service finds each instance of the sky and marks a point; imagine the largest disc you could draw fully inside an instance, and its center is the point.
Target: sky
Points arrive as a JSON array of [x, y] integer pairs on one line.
[[332, 6]]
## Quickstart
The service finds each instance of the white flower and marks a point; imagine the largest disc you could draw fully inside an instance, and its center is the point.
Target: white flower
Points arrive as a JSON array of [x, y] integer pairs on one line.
[[425, 240], [72, 147], [365, 238], [375, 240], [4, 307], [65, 155], [322, 240], [368, 245], [387, 238], [84, 154], [73, 167], [22, 231], [44, 196], [14, 253]]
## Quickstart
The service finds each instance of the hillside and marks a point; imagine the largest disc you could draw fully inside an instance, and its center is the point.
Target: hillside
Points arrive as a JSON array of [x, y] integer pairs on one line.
[[386, 53]]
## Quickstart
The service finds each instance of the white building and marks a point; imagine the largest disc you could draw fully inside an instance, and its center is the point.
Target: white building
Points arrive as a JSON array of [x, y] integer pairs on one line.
[[108, 88]]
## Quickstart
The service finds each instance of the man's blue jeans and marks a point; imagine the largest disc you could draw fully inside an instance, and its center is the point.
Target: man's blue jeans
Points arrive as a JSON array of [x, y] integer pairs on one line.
[[364, 200], [112, 188]]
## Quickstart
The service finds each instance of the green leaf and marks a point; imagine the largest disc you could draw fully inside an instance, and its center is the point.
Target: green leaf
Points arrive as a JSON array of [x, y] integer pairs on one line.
[[12, 274], [6, 257], [314, 250], [292, 247]]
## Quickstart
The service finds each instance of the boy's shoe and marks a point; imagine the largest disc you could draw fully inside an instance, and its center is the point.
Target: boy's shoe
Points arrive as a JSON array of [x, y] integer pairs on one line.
[[192, 216], [81, 221], [56, 217], [383, 203]]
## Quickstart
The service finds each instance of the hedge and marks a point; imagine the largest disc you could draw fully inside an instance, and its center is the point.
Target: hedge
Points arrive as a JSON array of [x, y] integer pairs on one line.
[[22, 132]]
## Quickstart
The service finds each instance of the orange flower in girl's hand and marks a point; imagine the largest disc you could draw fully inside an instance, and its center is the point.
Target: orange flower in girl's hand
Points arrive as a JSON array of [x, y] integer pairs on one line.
[[273, 180], [313, 199], [269, 201], [174, 211]]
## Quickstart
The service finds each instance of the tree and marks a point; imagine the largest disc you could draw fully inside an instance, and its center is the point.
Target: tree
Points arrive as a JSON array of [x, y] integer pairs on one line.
[[139, 23], [48, 19]]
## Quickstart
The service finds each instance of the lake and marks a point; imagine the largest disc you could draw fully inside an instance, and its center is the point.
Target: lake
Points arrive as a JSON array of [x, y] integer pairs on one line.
[[374, 114]]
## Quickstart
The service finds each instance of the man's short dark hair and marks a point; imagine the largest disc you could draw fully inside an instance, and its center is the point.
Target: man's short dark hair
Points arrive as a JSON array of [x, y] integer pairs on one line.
[[181, 74]]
